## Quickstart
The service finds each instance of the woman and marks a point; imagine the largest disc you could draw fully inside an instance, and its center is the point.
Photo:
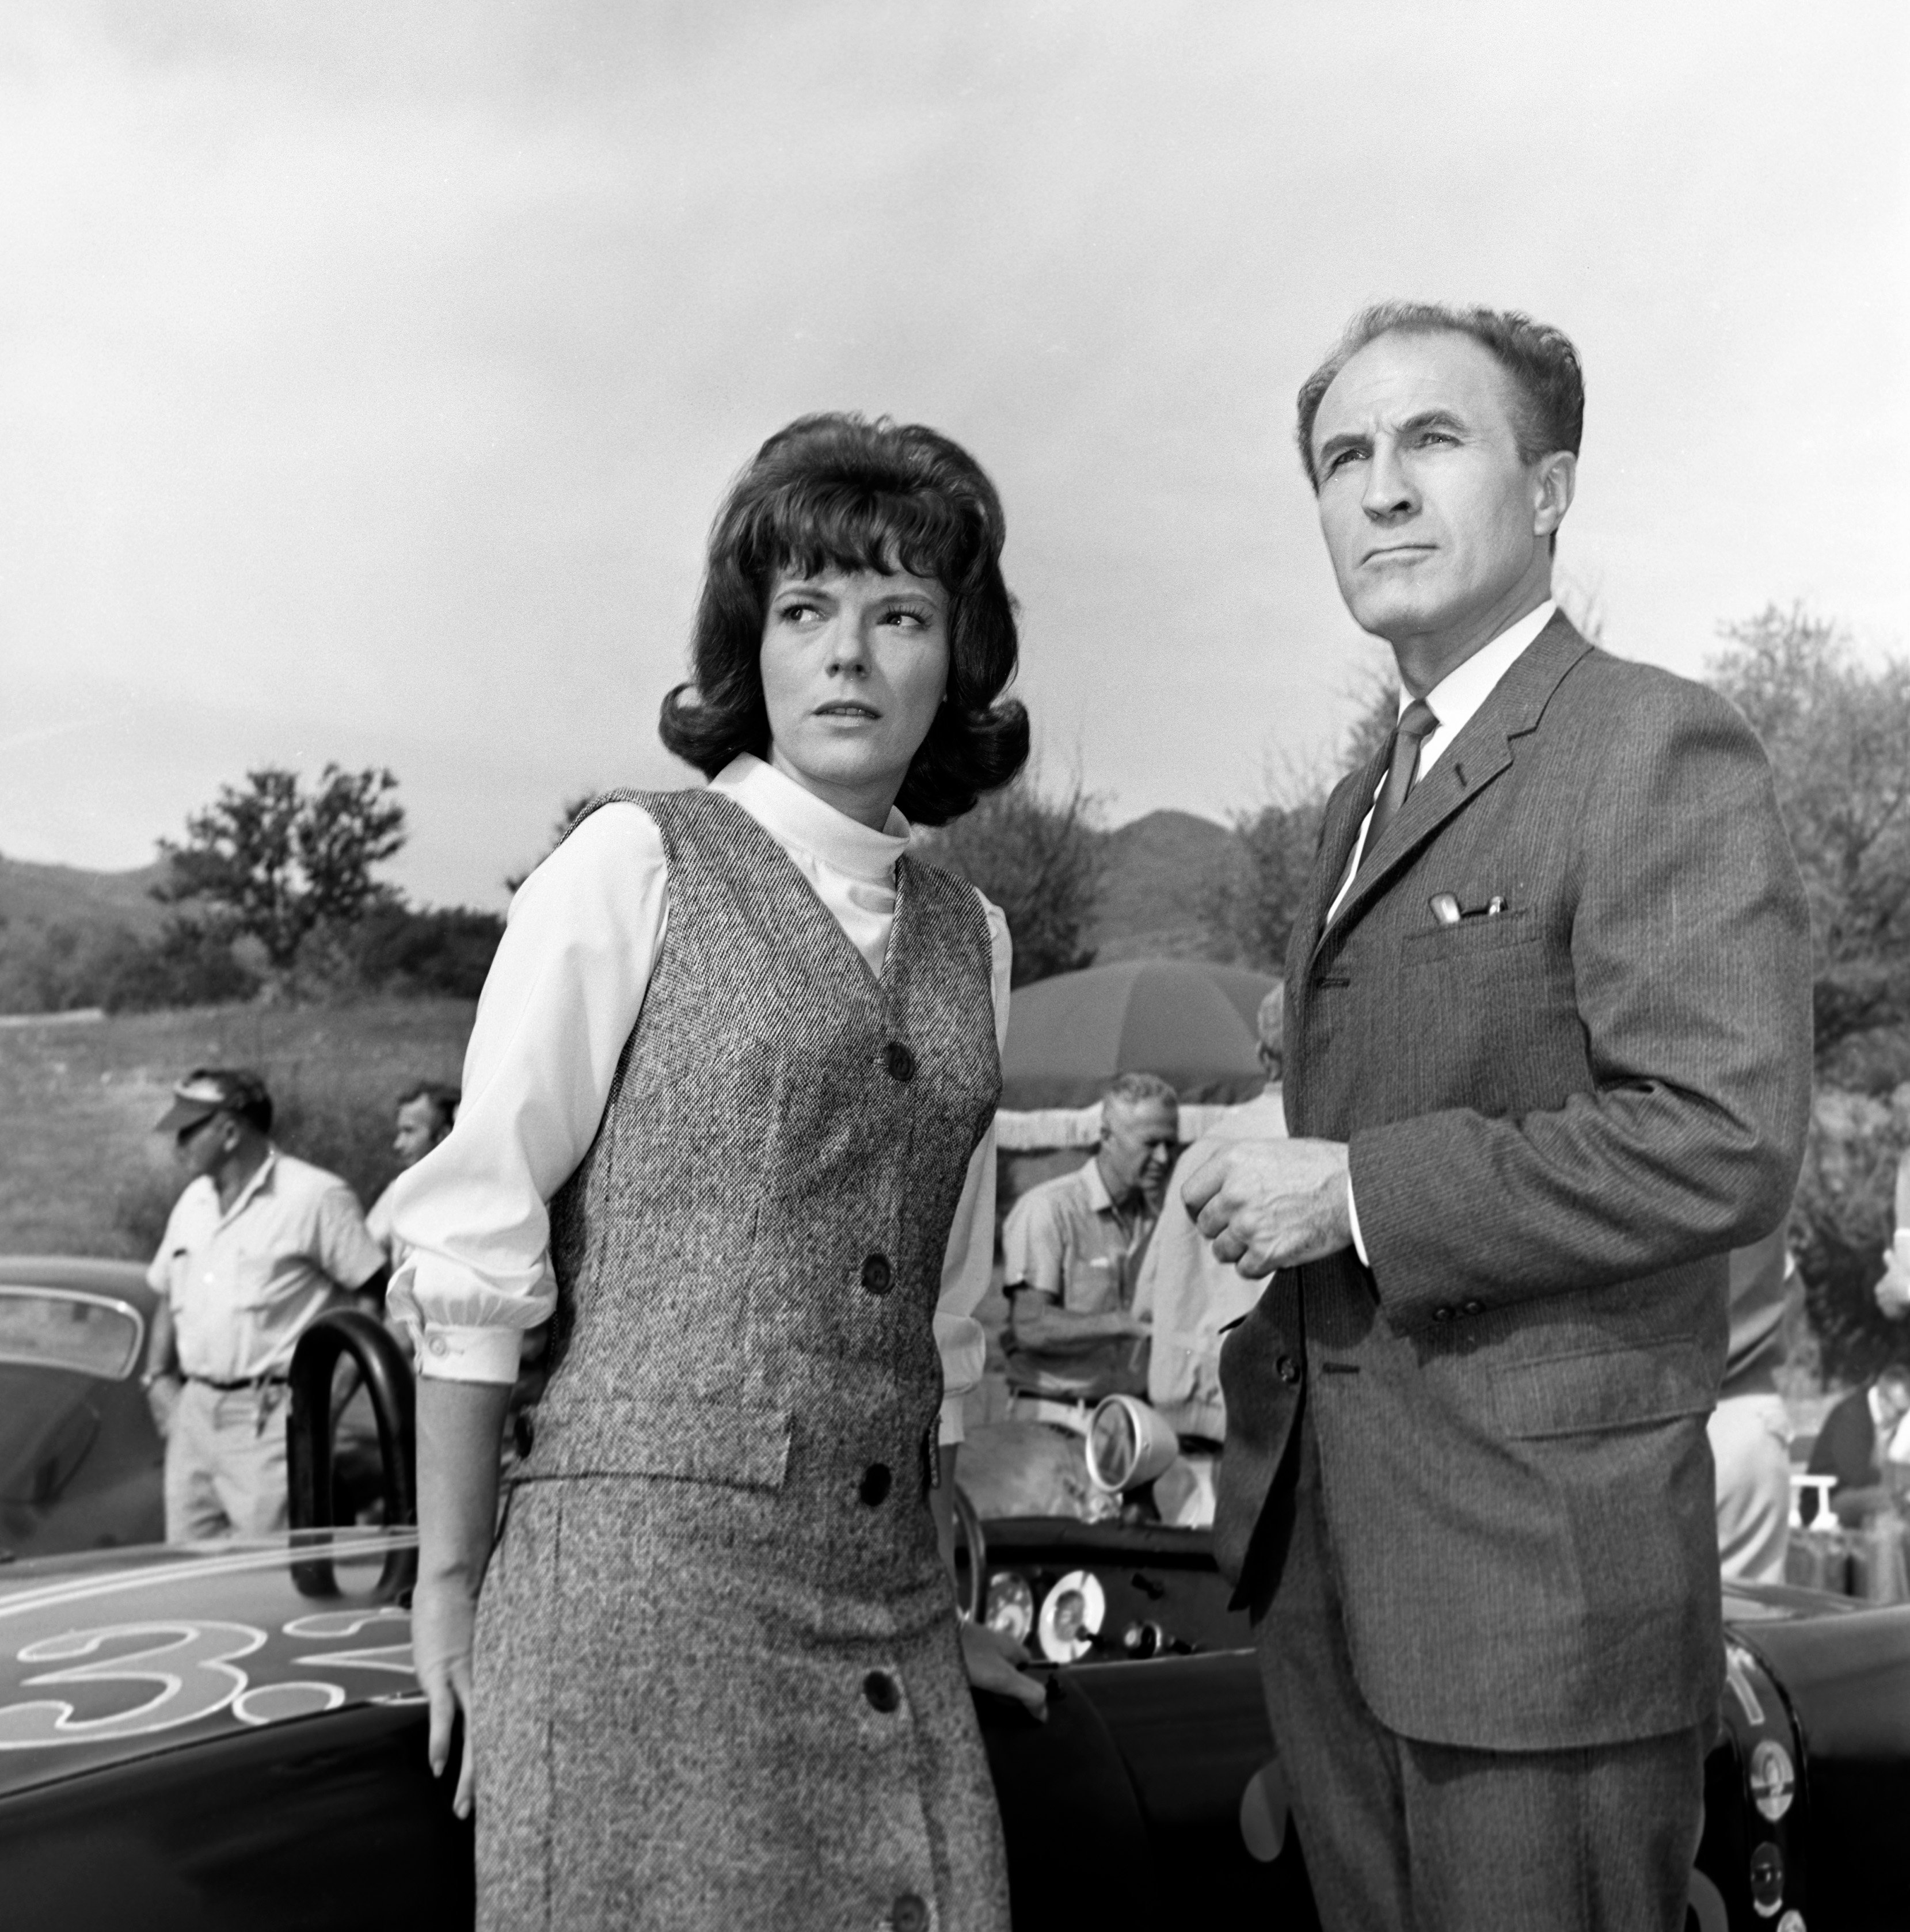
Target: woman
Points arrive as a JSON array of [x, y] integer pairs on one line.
[[748, 1050]]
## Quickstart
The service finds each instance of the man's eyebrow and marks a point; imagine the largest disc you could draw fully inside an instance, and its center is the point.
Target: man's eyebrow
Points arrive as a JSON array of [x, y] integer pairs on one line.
[[1432, 419]]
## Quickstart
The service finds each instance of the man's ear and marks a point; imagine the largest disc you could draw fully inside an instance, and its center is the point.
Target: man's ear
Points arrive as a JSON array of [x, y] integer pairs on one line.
[[1554, 483]]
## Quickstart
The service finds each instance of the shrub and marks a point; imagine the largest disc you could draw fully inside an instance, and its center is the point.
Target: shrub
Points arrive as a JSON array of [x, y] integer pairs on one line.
[[447, 950], [1842, 1222]]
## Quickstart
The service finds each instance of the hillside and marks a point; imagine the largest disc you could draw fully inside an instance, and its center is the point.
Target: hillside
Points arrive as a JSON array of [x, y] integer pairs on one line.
[[1157, 878], [47, 895]]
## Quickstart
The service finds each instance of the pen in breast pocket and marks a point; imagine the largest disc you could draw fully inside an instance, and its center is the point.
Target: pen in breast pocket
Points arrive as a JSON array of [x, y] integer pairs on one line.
[[1447, 910]]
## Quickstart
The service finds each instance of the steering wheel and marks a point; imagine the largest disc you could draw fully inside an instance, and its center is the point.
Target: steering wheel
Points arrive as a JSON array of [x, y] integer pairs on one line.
[[969, 1530], [308, 1433]]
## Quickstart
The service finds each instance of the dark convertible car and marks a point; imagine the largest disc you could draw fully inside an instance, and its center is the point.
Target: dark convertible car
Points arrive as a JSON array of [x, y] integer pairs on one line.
[[231, 1736]]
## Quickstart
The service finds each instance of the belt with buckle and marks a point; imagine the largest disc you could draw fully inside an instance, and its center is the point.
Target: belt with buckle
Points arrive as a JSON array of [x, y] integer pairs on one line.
[[1064, 1411], [274, 1379]]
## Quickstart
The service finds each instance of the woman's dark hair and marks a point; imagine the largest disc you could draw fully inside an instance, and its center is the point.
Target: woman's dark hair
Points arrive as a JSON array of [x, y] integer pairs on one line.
[[837, 492]]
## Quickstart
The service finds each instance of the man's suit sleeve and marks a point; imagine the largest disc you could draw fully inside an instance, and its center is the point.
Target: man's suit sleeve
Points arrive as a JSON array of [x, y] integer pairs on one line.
[[1689, 944]]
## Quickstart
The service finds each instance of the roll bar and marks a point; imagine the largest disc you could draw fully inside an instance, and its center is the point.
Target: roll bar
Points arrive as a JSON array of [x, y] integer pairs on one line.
[[380, 1363]]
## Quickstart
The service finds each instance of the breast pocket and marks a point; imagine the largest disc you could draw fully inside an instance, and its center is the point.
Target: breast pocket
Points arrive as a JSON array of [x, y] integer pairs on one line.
[[1491, 1018], [251, 1274], [1092, 1285]]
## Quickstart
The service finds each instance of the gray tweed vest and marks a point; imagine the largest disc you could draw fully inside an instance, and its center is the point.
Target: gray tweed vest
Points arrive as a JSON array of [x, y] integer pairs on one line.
[[749, 1256]]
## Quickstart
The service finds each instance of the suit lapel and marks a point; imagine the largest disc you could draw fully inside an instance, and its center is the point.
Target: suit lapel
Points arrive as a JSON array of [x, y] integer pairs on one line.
[[1481, 751]]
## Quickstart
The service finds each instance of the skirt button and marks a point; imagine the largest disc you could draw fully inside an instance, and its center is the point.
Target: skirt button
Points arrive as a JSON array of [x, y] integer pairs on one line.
[[884, 1694], [909, 1914]]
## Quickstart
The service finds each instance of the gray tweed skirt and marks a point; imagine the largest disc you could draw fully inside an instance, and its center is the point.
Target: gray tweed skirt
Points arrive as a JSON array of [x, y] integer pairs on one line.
[[692, 1712]]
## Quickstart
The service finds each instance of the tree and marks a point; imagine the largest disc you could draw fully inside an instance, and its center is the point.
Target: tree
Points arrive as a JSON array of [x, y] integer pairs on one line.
[[274, 863], [560, 827], [1254, 905], [1837, 731], [1039, 860]]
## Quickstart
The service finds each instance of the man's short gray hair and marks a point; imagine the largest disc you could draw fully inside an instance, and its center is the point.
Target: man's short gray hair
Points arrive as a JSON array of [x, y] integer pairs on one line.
[[1548, 386], [1139, 1089]]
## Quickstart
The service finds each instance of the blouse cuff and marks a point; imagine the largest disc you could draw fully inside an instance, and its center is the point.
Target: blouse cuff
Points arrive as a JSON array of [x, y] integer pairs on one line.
[[469, 1355]]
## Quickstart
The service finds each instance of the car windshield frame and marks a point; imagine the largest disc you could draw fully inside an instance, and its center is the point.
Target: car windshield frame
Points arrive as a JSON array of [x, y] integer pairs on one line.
[[17, 1344]]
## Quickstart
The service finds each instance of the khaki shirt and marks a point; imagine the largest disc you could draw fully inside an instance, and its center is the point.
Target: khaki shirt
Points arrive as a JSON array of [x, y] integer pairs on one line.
[[1063, 1238], [244, 1285]]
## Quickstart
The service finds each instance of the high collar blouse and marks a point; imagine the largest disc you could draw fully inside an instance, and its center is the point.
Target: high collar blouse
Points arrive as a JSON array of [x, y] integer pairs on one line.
[[472, 1220]]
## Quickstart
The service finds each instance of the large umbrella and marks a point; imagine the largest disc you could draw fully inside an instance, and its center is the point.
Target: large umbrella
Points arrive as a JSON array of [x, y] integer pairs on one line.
[[1187, 1020]]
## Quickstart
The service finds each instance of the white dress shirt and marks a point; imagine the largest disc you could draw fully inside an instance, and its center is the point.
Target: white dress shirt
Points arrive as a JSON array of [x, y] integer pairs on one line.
[[1454, 699], [472, 1220]]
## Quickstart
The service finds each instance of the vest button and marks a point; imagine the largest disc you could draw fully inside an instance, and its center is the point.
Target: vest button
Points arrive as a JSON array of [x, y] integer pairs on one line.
[[1442, 1315], [877, 1276], [875, 1481], [909, 1914], [1286, 1369], [902, 1062], [884, 1694]]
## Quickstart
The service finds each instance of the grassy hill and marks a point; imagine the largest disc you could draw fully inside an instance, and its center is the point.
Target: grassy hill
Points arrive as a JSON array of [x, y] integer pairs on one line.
[[1157, 878], [82, 1172], [45, 895]]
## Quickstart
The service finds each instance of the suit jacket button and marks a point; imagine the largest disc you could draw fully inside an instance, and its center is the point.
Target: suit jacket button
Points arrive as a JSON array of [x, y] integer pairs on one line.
[[909, 1914], [902, 1062], [884, 1694], [1473, 1308], [1442, 1315], [1286, 1369], [876, 1480], [877, 1275]]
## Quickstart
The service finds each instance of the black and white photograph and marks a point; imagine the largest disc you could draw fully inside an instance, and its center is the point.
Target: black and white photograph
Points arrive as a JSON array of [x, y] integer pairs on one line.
[[954, 966]]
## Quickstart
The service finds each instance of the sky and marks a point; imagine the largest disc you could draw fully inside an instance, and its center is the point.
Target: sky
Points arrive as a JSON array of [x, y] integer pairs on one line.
[[369, 372]]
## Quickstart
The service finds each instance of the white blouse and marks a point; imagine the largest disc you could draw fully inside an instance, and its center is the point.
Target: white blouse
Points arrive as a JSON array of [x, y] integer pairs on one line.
[[562, 996]]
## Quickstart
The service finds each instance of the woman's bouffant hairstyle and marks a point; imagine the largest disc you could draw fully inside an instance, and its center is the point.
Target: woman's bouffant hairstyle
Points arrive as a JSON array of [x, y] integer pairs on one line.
[[838, 492]]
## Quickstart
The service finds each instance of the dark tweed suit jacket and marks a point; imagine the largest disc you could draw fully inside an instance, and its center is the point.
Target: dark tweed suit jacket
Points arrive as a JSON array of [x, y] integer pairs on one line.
[[1561, 1117]]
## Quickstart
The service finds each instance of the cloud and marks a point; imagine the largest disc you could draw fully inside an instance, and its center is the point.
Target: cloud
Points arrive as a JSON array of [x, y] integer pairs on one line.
[[372, 371]]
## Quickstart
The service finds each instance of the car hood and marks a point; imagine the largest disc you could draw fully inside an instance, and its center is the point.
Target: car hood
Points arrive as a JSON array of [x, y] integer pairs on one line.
[[115, 1655], [1844, 1667]]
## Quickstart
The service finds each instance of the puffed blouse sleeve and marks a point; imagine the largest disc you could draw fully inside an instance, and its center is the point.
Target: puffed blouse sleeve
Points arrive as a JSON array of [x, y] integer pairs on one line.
[[971, 1257], [562, 997]]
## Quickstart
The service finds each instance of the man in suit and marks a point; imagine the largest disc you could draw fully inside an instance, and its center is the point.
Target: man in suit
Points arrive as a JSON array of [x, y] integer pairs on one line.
[[1547, 1059]]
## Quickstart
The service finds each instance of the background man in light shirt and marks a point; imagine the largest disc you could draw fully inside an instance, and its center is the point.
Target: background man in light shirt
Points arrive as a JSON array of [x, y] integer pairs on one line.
[[1073, 1249], [257, 1246], [1548, 1055], [426, 1113], [1189, 1298]]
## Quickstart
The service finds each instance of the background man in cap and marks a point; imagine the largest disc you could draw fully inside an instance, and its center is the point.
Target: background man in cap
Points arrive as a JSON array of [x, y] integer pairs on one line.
[[257, 1245]]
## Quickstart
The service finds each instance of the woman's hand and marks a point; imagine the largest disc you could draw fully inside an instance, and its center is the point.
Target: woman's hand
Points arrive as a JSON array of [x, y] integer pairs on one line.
[[443, 1619], [459, 1424], [991, 1660]]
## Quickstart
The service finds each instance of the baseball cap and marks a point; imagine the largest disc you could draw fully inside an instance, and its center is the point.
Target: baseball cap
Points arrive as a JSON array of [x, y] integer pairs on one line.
[[208, 1091]]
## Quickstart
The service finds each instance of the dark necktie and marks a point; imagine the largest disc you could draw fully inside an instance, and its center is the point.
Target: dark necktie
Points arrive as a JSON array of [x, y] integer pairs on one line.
[[1416, 723]]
